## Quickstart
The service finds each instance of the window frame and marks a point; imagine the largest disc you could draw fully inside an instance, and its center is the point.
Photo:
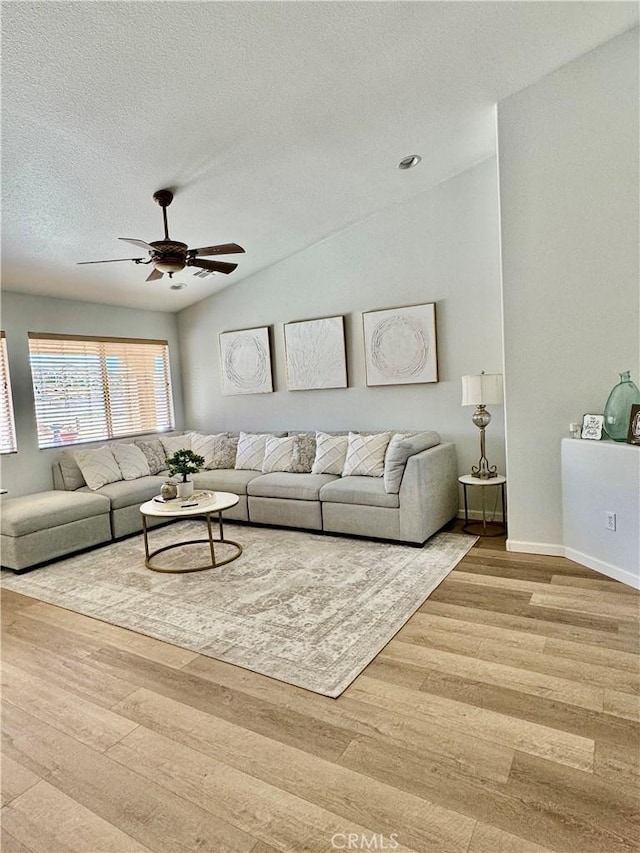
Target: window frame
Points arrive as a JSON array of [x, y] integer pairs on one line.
[[100, 404], [7, 413]]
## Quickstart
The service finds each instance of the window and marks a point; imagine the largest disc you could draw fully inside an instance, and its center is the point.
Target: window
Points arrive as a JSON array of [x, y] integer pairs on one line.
[[8, 442], [90, 389]]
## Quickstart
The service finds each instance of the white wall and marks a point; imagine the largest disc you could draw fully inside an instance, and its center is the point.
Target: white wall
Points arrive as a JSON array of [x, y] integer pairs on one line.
[[440, 246], [29, 470], [600, 477], [568, 162]]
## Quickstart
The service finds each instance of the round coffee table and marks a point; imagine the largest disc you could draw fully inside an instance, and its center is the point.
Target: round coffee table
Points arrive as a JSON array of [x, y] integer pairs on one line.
[[203, 503]]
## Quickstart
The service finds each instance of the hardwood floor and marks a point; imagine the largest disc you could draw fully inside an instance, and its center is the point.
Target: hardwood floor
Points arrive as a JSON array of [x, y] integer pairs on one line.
[[502, 718]]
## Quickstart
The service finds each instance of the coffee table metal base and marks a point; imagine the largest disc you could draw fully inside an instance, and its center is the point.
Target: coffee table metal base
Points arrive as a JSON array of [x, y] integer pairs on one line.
[[210, 541]]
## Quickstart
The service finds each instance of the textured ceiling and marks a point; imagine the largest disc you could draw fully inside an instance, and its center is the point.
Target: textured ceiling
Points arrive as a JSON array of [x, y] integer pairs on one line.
[[277, 124]]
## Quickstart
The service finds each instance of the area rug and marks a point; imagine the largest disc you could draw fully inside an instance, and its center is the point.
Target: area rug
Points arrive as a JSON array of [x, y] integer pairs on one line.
[[308, 609]]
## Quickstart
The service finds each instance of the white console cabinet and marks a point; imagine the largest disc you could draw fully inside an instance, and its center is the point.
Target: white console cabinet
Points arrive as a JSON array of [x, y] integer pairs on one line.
[[601, 507]]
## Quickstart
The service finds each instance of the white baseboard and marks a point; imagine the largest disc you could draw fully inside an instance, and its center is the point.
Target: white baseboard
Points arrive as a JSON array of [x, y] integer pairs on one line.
[[603, 568], [549, 550], [546, 548]]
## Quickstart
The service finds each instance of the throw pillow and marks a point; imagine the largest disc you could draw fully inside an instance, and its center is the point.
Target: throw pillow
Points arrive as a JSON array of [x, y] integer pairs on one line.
[[331, 451], [154, 453], [71, 473], [365, 455], [250, 454], [98, 467], [206, 445], [304, 453], [401, 447], [171, 443], [278, 454], [131, 461], [225, 453]]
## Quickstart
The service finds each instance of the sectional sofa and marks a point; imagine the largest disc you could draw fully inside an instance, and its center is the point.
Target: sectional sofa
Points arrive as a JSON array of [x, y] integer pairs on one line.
[[405, 495]]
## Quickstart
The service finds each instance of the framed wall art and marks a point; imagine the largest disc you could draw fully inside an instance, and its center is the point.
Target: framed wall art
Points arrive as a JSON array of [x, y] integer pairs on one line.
[[633, 436], [400, 345], [315, 354], [592, 426], [245, 361]]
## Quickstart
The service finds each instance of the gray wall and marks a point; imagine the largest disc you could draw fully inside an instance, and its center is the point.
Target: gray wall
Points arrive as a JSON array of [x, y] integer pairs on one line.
[[441, 246], [29, 470], [568, 155]]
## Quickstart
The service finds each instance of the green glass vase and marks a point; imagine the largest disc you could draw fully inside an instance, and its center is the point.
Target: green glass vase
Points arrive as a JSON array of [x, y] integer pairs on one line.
[[617, 409]]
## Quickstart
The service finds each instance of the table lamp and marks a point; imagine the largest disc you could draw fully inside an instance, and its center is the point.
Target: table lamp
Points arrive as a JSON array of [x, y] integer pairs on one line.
[[480, 390]]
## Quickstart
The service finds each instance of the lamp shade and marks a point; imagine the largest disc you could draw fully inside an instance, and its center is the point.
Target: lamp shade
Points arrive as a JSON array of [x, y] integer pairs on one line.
[[482, 389]]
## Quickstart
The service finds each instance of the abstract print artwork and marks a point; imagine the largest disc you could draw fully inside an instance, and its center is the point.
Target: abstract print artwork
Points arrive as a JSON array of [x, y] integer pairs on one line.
[[245, 359], [315, 354], [400, 345]]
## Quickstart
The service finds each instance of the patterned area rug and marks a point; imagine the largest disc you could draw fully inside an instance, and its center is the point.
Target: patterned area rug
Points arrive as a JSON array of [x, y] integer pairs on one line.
[[308, 609]]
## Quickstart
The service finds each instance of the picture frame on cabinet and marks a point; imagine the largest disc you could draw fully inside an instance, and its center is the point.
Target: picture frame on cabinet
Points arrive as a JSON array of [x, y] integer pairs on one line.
[[592, 427], [633, 436]]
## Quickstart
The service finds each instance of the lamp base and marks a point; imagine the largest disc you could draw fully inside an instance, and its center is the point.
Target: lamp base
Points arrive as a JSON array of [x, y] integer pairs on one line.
[[484, 474], [483, 471]]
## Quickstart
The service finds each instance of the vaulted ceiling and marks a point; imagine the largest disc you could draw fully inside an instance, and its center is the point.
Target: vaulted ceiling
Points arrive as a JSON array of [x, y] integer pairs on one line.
[[276, 123]]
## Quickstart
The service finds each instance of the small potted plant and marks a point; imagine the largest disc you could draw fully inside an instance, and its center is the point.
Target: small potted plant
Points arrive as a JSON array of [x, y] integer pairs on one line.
[[184, 462]]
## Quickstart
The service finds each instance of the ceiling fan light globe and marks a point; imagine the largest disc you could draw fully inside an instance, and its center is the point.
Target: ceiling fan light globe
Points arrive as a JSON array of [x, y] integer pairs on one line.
[[169, 266]]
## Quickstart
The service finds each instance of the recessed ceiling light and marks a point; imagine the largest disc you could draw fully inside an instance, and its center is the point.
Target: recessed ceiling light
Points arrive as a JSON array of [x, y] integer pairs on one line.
[[179, 286], [409, 162]]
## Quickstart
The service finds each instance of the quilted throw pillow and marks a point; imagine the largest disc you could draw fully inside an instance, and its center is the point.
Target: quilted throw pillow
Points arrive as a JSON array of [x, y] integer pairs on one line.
[[250, 454], [331, 451], [131, 461], [206, 446], [154, 453], [278, 454], [304, 453], [401, 447], [365, 455], [98, 467], [224, 456]]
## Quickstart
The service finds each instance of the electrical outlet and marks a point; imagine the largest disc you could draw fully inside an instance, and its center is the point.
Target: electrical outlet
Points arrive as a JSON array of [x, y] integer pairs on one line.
[[611, 520]]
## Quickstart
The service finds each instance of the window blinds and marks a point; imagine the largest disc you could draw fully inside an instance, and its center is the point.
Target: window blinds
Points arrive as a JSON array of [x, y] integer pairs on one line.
[[8, 442], [91, 389]]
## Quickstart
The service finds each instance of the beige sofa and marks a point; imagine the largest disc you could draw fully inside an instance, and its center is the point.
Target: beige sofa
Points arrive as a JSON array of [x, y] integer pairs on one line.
[[426, 500]]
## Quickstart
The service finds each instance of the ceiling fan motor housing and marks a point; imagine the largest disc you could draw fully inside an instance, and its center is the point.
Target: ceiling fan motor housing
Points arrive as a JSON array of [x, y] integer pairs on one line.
[[169, 256]]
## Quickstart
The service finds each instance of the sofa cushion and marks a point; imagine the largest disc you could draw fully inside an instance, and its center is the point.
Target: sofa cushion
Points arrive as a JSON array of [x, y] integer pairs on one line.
[[304, 452], [225, 480], [70, 471], [207, 446], [98, 467], [278, 454], [131, 461], [250, 454], [297, 487], [172, 443], [365, 455], [130, 492], [401, 447], [154, 453], [31, 513], [367, 491], [331, 451]]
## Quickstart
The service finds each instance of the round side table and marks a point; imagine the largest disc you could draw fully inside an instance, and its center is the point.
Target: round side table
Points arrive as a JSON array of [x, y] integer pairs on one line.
[[484, 527]]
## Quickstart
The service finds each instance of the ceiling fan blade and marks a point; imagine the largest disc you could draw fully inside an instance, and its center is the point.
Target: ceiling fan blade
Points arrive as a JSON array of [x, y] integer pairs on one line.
[[222, 249], [154, 275], [111, 261], [140, 243], [212, 266]]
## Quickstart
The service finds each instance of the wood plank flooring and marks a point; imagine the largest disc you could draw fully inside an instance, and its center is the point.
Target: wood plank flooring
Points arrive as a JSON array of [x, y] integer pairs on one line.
[[502, 718]]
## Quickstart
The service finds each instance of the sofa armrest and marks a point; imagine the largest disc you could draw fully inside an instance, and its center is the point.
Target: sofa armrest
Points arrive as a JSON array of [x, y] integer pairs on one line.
[[428, 492]]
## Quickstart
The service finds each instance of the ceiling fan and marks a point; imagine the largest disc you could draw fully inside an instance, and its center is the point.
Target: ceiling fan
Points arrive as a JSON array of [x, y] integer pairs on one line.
[[171, 256]]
